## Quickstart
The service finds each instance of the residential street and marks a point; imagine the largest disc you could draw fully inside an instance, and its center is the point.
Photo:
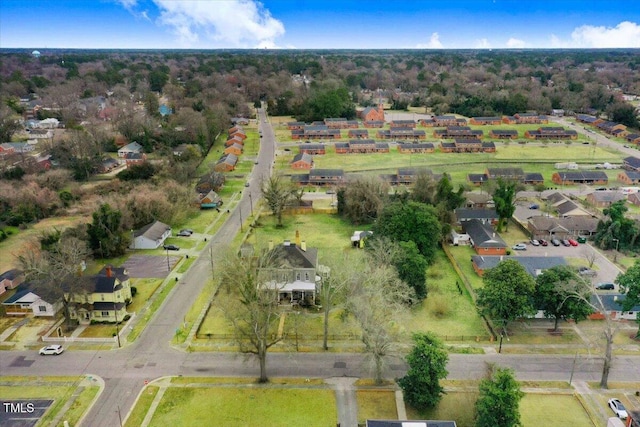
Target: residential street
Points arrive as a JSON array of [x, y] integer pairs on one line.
[[125, 371]]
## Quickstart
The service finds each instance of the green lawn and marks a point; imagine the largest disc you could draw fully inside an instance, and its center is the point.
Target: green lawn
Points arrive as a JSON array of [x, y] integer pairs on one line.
[[322, 231], [246, 406], [139, 411], [376, 405], [560, 410], [146, 288]]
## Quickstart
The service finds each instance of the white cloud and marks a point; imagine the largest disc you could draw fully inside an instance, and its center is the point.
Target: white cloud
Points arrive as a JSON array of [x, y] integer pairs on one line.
[[230, 23], [514, 43], [127, 4], [624, 35], [482, 44], [434, 43]]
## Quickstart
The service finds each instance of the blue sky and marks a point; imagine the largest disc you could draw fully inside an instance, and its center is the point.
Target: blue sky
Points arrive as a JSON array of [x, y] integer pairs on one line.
[[307, 24]]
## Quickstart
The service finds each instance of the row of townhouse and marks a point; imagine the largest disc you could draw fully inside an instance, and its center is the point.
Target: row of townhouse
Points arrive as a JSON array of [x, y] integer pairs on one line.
[[612, 128], [234, 147]]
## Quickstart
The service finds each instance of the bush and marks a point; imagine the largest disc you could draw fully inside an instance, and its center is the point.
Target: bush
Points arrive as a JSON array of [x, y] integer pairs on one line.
[[127, 317], [439, 305], [134, 291]]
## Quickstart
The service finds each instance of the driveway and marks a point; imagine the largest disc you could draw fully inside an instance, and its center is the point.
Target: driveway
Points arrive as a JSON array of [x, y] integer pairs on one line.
[[150, 266]]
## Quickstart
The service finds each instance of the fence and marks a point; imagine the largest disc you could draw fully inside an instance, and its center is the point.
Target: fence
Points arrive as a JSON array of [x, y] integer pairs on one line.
[[337, 337]]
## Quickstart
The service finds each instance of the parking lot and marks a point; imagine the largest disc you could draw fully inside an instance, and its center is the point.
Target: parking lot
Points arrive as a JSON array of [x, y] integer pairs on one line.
[[149, 266], [22, 413]]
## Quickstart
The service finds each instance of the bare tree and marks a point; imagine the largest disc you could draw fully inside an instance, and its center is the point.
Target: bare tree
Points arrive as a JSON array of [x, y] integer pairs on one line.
[[590, 255], [57, 272], [251, 305], [377, 299]]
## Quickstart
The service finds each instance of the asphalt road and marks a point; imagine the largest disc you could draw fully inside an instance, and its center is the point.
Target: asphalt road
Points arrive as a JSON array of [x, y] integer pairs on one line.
[[151, 356]]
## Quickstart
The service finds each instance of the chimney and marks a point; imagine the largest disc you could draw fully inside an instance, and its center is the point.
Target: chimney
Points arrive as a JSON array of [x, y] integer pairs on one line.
[[109, 272], [303, 245], [270, 245], [298, 237]]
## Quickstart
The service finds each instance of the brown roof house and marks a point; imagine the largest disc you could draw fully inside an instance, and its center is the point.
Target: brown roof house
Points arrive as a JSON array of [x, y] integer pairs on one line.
[[604, 199], [10, 279]]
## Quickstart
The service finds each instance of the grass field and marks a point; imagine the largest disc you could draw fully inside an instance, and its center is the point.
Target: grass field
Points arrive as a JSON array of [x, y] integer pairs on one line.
[[376, 405], [560, 410], [246, 406], [139, 411]]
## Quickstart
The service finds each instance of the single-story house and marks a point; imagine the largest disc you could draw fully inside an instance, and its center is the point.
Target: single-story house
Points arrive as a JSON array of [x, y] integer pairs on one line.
[[235, 149], [612, 305], [372, 114], [31, 299], [534, 265], [135, 158], [10, 279], [315, 149], [629, 177], [486, 216], [151, 236], [421, 147], [236, 139], [226, 163], [503, 133], [475, 200], [210, 200], [543, 227], [571, 209], [484, 239], [302, 161], [604, 199], [107, 165], [485, 121], [631, 163], [132, 147], [580, 177]]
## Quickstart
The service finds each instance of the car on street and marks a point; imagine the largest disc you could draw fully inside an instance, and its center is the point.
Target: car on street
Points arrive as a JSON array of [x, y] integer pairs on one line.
[[51, 350], [519, 247], [618, 408], [586, 271], [565, 242], [534, 206], [534, 242], [246, 184], [543, 242], [555, 242], [605, 286], [171, 248], [573, 242]]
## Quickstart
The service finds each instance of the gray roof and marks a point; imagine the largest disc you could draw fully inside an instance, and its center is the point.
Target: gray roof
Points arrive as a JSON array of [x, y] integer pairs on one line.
[[483, 235], [613, 302], [326, 172], [607, 196], [533, 264], [568, 206], [153, 231], [307, 158], [10, 274], [571, 224], [295, 257], [634, 162], [467, 214]]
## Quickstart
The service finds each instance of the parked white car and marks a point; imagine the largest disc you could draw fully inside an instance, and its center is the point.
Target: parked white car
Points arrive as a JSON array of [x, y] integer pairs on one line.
[[519, 247], [51, 350], [618, 408]]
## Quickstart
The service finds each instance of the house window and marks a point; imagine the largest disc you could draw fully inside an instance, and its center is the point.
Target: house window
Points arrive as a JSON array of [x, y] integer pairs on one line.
[[298, 276], [306, 277], [101, 297], [104, 314], [42, 308]]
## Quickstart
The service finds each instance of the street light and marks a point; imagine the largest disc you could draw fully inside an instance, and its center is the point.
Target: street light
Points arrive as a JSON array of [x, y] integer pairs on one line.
[[251, 203]]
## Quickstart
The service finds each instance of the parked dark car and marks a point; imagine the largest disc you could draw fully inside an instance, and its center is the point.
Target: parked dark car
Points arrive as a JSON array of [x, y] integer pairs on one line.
[[171, 248], [605, 286], [565, 242], [555, 242], [534, 206], [543, 242], [586, 271]]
